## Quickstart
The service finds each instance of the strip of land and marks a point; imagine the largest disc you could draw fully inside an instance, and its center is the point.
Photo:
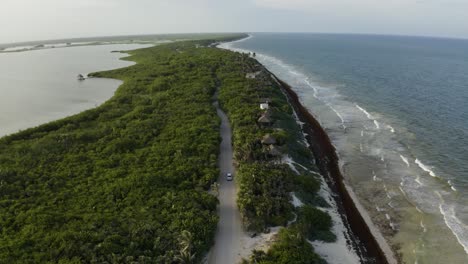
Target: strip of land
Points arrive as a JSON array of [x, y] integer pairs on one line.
[[132, 180]]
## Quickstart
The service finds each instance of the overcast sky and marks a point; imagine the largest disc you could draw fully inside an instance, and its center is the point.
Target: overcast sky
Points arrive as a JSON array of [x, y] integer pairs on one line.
[[22, 20]]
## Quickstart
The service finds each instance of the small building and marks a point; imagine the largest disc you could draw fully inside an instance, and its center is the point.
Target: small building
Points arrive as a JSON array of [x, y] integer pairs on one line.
[[266, 118], [264, 106], [274, 151], [252, 75], [268, 140]]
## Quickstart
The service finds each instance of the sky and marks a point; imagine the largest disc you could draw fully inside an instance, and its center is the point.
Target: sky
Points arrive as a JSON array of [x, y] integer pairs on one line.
[[24, 20]]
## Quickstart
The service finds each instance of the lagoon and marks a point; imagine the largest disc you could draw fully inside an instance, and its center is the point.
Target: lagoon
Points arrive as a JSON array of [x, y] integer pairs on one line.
[[40, 86]]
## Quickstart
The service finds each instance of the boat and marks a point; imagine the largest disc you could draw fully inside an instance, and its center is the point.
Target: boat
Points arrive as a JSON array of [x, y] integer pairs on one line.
[[81, 77]]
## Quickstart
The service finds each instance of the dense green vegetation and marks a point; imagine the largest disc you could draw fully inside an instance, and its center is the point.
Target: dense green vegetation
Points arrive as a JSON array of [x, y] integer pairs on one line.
[[124, 182], [291, 247], [264, 195], [265, 182], [127, 182], [264, 188], [315, 224]]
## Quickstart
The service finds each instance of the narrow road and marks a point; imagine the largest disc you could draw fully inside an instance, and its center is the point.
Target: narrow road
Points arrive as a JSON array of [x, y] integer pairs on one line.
[[229, 233]]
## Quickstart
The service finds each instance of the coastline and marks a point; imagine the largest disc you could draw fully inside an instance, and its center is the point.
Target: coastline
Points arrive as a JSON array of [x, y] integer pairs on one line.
[[374, 245], [366, 238], [70, 96]]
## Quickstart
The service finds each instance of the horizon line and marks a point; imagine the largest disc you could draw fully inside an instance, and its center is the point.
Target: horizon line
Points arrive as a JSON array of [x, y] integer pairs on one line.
[[230, 32]]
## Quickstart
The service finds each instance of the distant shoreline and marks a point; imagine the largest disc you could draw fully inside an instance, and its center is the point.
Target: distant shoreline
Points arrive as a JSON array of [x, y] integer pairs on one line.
[[370, 242]]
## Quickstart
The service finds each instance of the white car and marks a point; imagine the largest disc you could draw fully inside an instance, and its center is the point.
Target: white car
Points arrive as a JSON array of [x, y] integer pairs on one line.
[[229, 176]]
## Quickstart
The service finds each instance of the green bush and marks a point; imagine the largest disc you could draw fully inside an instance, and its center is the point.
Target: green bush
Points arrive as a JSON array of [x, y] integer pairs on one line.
[[290, 248], [315, 224], [263, 197]]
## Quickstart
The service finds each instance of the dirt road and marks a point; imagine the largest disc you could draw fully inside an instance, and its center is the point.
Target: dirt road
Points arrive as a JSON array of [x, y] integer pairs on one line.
[[228, 236]]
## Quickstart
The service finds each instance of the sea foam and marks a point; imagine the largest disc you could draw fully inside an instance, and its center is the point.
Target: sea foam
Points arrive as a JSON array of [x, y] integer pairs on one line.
[[425, 168], [459, 229], [339, 116], [376, 123], [405, 160], [369, 116]]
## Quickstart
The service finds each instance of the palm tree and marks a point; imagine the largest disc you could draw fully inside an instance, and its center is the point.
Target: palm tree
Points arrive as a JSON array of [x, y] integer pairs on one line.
[[185, 255]]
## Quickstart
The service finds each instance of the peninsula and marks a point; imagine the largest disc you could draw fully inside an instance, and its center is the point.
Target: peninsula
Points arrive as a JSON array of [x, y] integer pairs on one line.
[[141, 178]]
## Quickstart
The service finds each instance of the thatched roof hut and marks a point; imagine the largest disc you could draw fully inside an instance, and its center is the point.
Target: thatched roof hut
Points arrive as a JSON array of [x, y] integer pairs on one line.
[[266, 118], [274, 151], [252, 75], [268, 140]]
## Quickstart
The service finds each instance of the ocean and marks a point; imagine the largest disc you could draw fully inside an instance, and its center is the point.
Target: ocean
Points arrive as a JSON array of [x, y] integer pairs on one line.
[[40, 86], [396, 109]]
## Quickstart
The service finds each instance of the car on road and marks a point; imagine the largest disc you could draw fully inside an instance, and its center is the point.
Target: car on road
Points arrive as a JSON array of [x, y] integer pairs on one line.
[[229, 176]]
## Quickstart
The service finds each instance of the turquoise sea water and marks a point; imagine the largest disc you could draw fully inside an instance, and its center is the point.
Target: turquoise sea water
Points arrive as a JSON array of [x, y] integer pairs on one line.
[[396, 109]]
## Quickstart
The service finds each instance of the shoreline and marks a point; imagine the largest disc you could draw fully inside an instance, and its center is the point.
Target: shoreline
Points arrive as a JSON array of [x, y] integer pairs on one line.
[[368, 240], [80, 96], [371, 242]]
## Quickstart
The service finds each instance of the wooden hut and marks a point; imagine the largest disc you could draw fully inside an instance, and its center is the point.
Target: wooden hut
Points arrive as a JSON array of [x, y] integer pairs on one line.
[[274, 151], [268, 139]]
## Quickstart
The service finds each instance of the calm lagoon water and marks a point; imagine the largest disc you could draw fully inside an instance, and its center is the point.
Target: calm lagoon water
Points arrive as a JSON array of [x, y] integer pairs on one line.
[[396, 109], [41, 85]]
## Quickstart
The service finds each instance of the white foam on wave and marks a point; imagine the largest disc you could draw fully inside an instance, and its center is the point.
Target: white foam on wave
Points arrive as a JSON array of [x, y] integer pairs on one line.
[[294, 72], [377, 125], [425, 168], [403, 191], [339, 116], [449, 182], [280, 65], [405, 160], [374, 177], [369, 116], [418, 180], [458, 228], [423, 226], [315, 94]]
